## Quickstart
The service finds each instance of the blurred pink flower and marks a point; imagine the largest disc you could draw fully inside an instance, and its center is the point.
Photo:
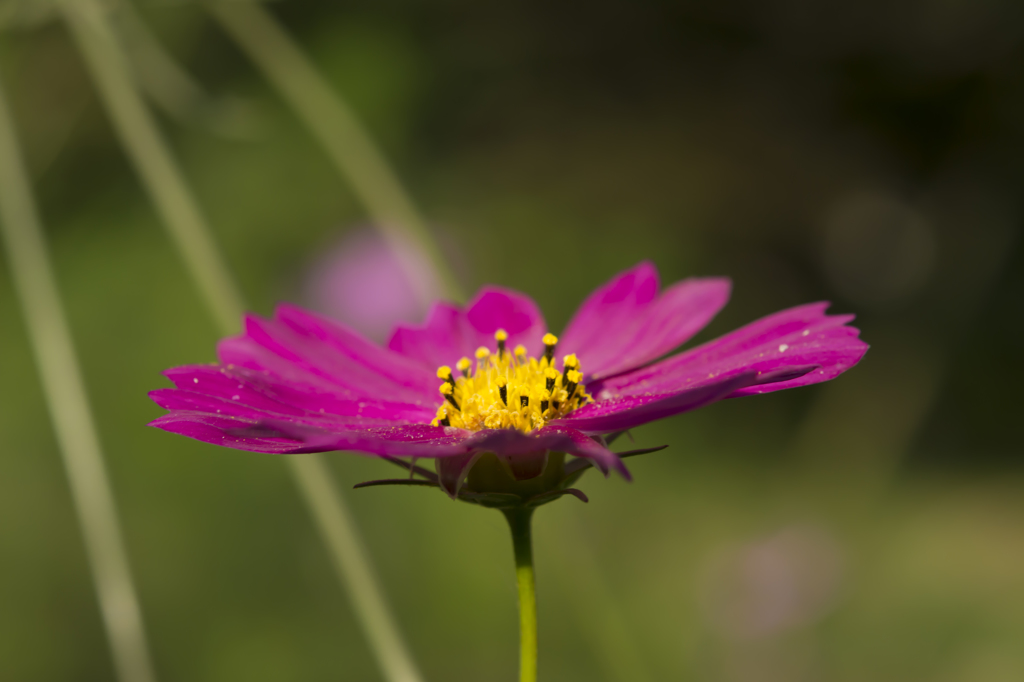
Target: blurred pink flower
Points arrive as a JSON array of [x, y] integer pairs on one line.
[[364, 282]]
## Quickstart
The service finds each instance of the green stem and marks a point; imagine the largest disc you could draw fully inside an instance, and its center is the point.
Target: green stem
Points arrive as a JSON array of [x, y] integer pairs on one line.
[[522, 545], [64, 390], [340, 133], [165, 183]]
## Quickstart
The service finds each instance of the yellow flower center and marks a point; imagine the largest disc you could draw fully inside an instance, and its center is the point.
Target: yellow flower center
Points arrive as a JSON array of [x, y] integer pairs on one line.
[[509, 390]]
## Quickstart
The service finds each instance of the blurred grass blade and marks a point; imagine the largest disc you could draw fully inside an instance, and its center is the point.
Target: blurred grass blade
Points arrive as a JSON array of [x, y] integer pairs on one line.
[[165, 184], [89, 25], [338, 130], [65, 395], [172, 88]]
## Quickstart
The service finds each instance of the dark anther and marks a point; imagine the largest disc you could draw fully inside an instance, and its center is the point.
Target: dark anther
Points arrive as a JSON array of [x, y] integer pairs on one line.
[[503, 391], [555, 404], [524, 401], [570, 388], [501, 348], [445, 422], [550, 383], [450, 398], [543, 406]]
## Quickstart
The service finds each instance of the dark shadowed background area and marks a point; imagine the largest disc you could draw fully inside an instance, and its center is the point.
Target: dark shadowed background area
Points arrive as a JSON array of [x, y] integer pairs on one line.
[[868, 153]]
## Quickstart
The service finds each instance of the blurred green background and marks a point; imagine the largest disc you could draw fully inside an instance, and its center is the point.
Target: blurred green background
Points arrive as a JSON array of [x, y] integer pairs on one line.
[[866, 153]]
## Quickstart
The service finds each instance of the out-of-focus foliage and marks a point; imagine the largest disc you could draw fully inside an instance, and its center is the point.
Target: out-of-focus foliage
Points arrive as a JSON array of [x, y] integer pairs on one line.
[[868, 153]]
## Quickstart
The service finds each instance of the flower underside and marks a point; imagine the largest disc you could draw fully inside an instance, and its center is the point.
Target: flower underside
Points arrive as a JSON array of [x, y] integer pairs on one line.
[[508, 390]]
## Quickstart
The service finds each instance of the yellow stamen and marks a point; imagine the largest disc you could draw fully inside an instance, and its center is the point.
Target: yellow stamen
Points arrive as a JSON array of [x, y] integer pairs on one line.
[[550, 341], [448, 391], [510, 391], [502, 384], [501, 336]]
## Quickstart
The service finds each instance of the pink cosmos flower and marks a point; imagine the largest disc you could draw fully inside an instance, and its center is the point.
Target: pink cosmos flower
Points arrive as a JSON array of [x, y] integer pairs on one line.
[[302, 383]]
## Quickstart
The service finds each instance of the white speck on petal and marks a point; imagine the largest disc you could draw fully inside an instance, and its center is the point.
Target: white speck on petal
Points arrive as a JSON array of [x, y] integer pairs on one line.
[[195, 381], [806, 332], [235, 397], [783, 347]]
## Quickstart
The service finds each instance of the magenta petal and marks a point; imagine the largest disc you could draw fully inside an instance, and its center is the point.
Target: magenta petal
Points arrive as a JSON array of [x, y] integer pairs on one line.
[[451, 332], [585, 446], [411, 440], [625, 324], [495, 308], [221, 430], [611, 307], [798, 337], [290, 436], [263, 394], [309, 351], [434, 343], [617, 413]]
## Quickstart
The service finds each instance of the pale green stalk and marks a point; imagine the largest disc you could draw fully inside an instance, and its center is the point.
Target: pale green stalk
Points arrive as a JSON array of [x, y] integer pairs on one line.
[[165, 183], [68, 404], [341, 135]]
